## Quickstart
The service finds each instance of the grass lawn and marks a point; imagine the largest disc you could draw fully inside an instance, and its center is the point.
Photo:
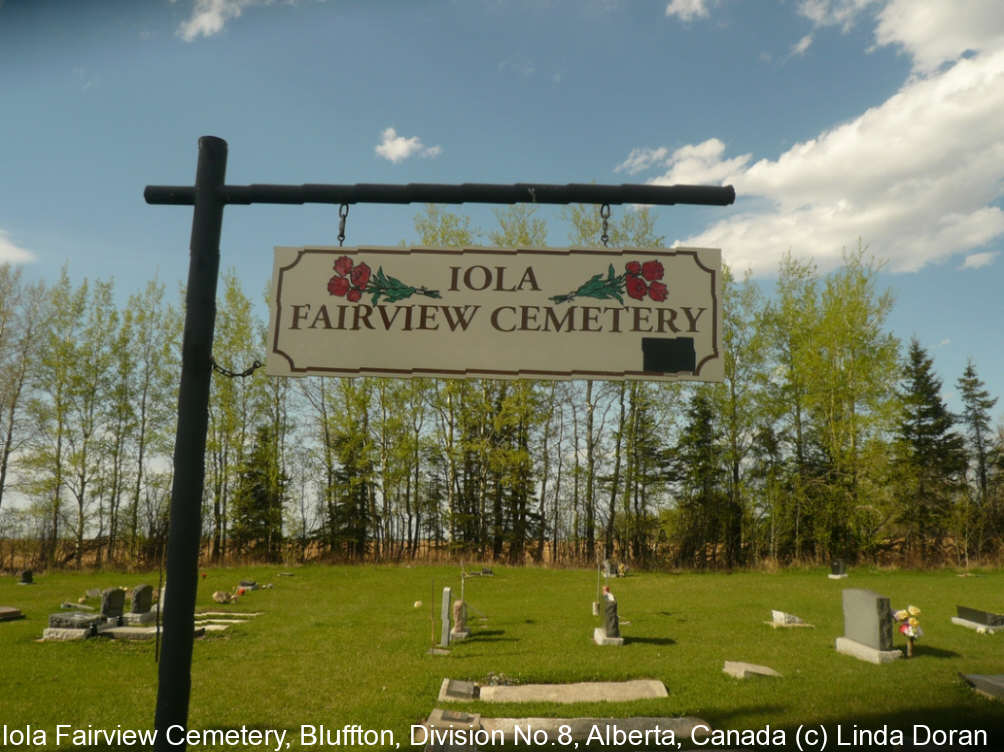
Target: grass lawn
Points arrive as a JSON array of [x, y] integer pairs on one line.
[[337, 645]]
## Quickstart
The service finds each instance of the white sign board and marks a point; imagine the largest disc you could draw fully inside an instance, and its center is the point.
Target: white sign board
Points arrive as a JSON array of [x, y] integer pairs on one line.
[[555, 313]]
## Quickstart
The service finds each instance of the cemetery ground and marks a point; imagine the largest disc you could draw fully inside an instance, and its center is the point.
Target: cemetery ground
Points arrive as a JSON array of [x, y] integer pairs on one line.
[[337, 645]]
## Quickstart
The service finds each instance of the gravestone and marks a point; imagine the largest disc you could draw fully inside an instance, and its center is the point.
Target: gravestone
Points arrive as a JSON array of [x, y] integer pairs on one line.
[[93, 592], [142, 599], [609, 633], [26, 578], [991, 685], [444, 615], [9, 613], [743, 670], [838, 569], [781, 619], [868, 623], [249, 585], [455, 690], [459, 631], [981, 621], [113, 603], [76, 620], [607, 568]]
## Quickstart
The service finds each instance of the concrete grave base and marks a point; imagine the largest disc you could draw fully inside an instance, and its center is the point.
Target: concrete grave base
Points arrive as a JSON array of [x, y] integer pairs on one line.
[[458, 636], [139, 633], [865, 653], [600, 638], [636, 689], [837, 576], [990, 685], [742, 670], [65, 633], [131, 619], [601, 731], [981, 628]]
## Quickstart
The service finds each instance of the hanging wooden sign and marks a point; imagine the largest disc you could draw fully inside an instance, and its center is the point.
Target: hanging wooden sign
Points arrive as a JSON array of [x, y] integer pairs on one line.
[[555, 313]]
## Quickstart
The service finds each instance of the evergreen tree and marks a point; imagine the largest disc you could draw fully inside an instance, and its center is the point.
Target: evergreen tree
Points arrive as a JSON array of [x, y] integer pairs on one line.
[[932, 455], [976, 407], [258, 500]]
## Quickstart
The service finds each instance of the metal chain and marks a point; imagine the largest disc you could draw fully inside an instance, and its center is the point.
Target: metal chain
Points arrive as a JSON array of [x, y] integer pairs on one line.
[[343, 212], [605, 214], [233, 374]]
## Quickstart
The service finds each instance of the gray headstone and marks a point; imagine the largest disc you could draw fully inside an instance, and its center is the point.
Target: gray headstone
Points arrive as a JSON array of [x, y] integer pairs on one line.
[[142, 599], [459, 618], [26, 577], [248, 584], [989, 684], [611, 624], [980, 617], [867, 618], [444, 615], [112, 603], [461, 690], [75, 620], [607, 571], [838, 566]]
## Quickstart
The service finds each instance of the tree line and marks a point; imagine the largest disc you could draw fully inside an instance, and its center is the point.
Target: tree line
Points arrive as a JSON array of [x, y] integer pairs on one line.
[[827, 438]]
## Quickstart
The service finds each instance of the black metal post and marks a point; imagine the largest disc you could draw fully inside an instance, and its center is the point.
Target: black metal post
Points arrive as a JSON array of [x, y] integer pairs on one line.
[[185, 533]]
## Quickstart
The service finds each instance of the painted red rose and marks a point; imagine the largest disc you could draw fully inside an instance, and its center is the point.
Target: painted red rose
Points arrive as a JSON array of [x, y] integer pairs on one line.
[[360, 276], [354, 294], [338, 285], [657, 291], [343, 265], [633, 268], [636, 287], [651, 270]]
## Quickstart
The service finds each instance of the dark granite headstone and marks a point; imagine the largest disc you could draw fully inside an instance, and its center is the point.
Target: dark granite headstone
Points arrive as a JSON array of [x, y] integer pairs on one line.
[[26, 578], [112, 603], [980, 617], [610, 622], [75, 620], [142, 599], [838, 566], [8, 613], [462, 690], [248, 584], [867, 618], [989, 684]]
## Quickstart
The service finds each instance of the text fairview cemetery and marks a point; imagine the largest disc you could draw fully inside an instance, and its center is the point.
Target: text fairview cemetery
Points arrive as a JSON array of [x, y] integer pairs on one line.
[[497, 313]]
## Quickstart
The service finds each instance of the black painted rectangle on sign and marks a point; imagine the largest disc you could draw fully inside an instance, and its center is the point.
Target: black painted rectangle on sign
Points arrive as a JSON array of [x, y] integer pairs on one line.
[[668, 354]]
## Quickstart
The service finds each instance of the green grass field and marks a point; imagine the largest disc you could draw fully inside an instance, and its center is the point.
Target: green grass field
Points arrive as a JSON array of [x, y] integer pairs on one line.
[[339, 645]]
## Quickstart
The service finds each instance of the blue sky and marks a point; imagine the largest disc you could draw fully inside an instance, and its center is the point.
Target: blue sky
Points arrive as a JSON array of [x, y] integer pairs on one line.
[[834, 119]]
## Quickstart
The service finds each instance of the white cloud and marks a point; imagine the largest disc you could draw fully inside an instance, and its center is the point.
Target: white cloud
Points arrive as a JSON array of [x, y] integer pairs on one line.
[[687, 10], [520, 64], [802, 45], [979, 260], [10, 253], [397, 148], [945, 342], [833, 12], [209, 16], [915, 178], [642, 159], [934, 32]]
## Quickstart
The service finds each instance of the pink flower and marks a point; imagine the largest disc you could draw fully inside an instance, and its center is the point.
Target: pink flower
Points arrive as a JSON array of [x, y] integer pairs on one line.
[[338, 285], [633, 268], [651, 270], [657, 291], [354, 294], [636, 287], [343, 265], [360, 276]]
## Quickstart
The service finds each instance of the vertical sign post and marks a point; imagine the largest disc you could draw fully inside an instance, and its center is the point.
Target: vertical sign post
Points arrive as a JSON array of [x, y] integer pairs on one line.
[[185, 532]]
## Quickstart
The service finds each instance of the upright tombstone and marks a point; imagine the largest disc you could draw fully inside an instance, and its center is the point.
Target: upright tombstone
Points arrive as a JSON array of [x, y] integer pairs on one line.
[[459, 631], [141, 601], [607, 568], [113, 603], [838, 569], [26, 578], [984, 622], [609, 633], [444, 615], [868, 623]]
